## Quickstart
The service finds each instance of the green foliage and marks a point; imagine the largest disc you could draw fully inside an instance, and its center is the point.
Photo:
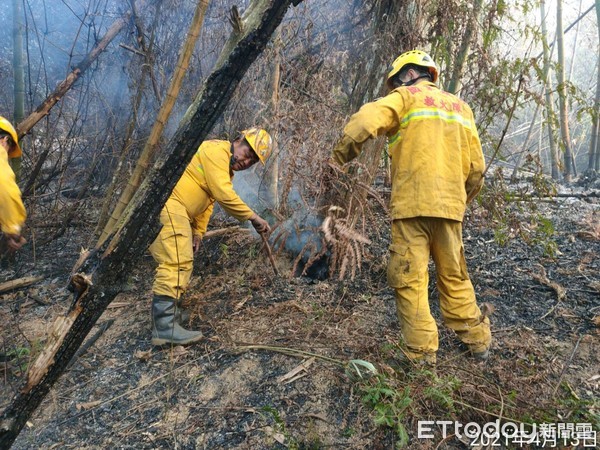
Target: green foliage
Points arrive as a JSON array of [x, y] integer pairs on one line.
[[542, 185], [349, 432], [496, 94], [497, 200], [18, 352], [309, 441], [501, 7], [389, 349], [578, 410], [515, 213], [441, 391], [252, 251], [527, 7], [543, 236], [272, 415], [224, 249], [22, 356], [393, 398], [390, 406], [501, 235], [317, 310]]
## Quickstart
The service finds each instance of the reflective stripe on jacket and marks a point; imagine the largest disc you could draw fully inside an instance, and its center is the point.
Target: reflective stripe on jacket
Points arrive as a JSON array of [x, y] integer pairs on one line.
[[434, 147], [208, 179], [12, 211]]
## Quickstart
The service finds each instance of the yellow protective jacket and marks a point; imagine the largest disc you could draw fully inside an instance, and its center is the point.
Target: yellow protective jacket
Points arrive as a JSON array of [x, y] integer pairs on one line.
[[437, 161], [12, 211], [207, 179]]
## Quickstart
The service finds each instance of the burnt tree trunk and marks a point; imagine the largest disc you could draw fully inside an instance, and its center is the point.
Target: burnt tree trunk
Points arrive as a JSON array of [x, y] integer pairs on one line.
[[101, 275]]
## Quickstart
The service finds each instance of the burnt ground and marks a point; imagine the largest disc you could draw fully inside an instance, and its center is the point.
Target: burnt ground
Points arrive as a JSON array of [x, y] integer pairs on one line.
[[271, 372]]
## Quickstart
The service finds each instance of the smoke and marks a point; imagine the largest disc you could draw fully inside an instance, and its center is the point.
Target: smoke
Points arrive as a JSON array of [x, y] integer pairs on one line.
[[111, 109], [300, 236]]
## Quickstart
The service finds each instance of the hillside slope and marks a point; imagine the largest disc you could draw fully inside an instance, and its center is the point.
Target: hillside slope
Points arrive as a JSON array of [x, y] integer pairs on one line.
[[294, 390]]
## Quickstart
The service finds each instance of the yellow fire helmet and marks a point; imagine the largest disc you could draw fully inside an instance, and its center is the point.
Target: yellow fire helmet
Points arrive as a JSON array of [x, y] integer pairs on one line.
[[416, 57], [7, 126], [260, 141]]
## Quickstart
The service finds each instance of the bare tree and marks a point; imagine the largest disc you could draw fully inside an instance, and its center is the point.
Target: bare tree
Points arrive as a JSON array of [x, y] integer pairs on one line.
[[594, 154], [148, 154], [547, 92], [575, 42], [562, 95], [44, 108], [550, 116], [453, 84], [128, 143], [270, 181], [19, 76]]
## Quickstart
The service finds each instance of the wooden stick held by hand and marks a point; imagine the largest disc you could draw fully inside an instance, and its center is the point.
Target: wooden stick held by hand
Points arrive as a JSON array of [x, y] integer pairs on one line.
[[269, 252]]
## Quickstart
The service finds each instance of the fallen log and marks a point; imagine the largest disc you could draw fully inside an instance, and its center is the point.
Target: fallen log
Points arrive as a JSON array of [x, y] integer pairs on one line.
[[582, 195], [91, 341], [11, 285]]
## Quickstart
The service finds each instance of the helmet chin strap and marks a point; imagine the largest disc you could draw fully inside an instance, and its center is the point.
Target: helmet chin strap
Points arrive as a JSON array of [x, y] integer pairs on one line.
[[414, 80], [233, 159]]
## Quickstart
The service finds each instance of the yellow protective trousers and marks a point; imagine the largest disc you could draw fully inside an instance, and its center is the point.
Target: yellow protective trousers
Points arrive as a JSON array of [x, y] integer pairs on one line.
[[173, 251], [413, 241]]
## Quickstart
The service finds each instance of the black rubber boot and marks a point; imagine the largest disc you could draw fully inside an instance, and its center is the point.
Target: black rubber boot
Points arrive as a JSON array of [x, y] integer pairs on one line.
[[481, 355], [182, 315], [165, 326]]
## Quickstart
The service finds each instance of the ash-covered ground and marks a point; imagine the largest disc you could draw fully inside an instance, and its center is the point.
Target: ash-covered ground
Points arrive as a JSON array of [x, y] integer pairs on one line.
[[271, 372]]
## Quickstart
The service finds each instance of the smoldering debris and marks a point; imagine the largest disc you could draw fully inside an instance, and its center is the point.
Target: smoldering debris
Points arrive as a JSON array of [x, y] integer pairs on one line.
[[301, 237]]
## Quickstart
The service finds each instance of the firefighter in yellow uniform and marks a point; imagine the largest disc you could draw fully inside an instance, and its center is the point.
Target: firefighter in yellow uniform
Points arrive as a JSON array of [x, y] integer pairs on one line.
[[12, 211], [437, 168], [184, 219]]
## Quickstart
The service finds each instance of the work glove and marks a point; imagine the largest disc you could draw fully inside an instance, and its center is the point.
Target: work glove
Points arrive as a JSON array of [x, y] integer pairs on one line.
[[260, 225], [473, 186], [345, 150], [196, 243]]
